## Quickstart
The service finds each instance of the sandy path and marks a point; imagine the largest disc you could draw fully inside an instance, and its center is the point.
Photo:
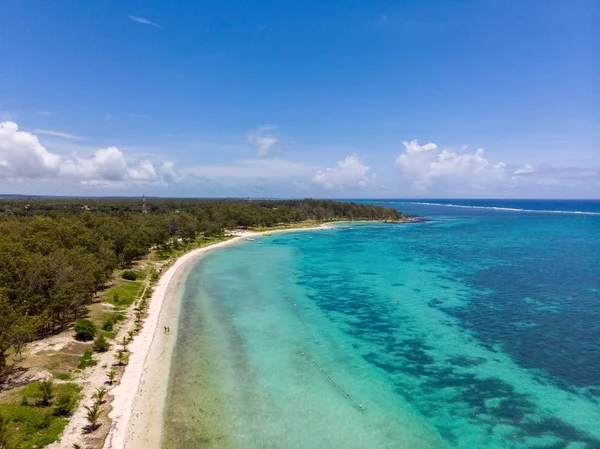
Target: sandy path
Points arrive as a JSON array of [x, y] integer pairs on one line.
[[139, 398]]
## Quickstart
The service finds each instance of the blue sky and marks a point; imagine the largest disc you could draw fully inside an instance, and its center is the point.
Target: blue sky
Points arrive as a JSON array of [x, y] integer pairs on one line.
[[301, 98]]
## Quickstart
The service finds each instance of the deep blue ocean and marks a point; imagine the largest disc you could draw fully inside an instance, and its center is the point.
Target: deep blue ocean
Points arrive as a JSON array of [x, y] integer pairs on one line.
[[479, 328]]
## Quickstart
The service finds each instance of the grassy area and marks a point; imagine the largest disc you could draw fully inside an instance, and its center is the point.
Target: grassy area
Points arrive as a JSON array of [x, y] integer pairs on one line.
[[109, 323], [86, 360], [29, 421], [123, 295]]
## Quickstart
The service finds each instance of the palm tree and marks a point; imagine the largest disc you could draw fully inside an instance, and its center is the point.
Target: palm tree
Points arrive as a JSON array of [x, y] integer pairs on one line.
[[99, 395], [93, 415], [125, 342], [120, 356], [111, 376]]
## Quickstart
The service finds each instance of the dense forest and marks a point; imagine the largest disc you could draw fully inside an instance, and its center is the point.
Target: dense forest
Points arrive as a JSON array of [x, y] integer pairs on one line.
[[56, 254]]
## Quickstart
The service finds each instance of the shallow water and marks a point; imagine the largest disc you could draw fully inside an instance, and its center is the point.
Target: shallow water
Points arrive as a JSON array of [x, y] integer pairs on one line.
[[469, 331]]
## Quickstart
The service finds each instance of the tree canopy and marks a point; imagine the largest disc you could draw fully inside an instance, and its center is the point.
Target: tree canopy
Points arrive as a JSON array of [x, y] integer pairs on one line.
[[57, 253]]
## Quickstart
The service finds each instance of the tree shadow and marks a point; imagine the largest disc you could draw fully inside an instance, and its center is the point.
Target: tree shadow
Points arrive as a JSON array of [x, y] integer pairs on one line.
[[13, 376], [91, 428]]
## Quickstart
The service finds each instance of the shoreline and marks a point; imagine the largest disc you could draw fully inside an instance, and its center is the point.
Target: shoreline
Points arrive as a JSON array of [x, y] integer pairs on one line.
[[136, 414]]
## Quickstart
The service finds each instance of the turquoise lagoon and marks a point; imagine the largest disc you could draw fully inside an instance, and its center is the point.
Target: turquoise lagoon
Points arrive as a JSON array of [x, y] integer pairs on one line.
[[477, 329]]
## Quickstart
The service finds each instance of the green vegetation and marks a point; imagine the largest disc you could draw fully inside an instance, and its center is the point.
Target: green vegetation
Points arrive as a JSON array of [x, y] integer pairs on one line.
[[86, 360], [63, 376], [28, 421], [93, 415], [122, 358], [123, 295], [64, 404], [100, 394], [46, 392], [109, 321], [100, 344], [85, 330], [129, 275], [57, 254]]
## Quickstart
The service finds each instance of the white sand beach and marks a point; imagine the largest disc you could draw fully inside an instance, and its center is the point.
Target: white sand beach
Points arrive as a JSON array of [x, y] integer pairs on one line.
[[139, 398]]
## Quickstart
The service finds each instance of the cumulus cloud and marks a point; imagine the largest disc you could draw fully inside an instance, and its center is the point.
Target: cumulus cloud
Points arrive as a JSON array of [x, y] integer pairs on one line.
[[452, 171], [22, 156], [349, 173], [106, 165], [262, 140]]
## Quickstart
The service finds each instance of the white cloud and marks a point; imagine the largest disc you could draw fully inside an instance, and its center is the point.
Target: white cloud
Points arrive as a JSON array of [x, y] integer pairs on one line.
[[427, 168], [167, 172], [144, 21], [347, 174], [525, 170], [562, 174], [105, 165], [64, 135], [46, 113], [449, 172], [261, 140], [143, 172], [23, 157]]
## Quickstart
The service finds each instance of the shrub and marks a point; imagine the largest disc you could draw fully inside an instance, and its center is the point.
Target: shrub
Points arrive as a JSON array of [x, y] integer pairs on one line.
[[109, 322], [85, 330], [129, 275], [46, 393], [100, 344], [64, 404]]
